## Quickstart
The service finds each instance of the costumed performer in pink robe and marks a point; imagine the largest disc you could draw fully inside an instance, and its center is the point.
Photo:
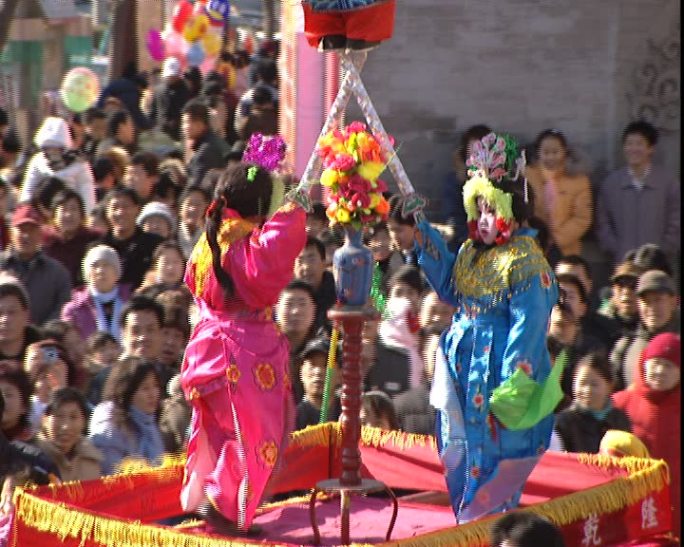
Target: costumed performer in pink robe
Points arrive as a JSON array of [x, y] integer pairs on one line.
[[235, 369]]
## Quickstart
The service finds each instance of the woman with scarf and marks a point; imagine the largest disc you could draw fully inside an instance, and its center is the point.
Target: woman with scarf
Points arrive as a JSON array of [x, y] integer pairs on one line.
[[126, 423], [235, 369], [97, 306], [493, 388]]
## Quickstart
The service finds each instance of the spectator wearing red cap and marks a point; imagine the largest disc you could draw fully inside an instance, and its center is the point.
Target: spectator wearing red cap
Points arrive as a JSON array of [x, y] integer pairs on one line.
[[653, 404], [47, 282]]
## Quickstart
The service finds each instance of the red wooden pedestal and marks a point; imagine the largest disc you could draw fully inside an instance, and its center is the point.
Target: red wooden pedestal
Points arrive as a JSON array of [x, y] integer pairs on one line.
[[351, 320]]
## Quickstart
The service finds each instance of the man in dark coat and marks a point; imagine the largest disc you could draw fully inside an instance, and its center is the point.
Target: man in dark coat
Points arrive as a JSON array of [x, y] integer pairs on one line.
[[169, 99], [128, 90], [207, 146], [134, 246]]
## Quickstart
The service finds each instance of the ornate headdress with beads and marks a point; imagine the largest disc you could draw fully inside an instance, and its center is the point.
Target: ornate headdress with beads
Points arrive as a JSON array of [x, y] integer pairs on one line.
[[492, 159]]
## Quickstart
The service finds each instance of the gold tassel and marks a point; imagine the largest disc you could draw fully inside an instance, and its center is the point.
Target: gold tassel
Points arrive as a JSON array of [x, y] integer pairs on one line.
[[63, 522], [326, 434], [644, 477], [376, 437]]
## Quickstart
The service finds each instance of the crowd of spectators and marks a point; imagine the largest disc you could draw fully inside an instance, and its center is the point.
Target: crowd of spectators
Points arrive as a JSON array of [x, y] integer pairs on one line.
[[96, 226]]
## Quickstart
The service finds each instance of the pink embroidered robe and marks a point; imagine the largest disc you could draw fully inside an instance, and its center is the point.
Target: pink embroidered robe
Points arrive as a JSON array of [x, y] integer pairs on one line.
[[235, 369]]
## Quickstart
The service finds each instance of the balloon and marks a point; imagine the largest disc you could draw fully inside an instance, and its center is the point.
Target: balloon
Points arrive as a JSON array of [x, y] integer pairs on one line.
[[198, 8], [195, 54], [181, 13], [218, 11], [196, 27], [155, 44], [207, 65], [80, 89], [174, 45], [211, 43]]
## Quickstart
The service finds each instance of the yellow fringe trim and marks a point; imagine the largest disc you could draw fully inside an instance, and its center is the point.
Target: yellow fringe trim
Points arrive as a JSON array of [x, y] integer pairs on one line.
[[63, 522], [136, 466], [645, 476], [377, 438], [327, 434], [331, 433]]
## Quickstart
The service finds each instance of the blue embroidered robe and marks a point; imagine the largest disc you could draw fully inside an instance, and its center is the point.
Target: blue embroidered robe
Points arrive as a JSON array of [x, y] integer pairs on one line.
[[503, 297]]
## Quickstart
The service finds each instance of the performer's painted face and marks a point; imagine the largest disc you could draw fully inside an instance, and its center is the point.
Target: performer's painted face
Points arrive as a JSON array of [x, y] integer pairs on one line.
[[486, 223]]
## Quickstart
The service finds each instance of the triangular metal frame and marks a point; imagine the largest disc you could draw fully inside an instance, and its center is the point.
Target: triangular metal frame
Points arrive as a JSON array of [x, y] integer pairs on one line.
[[352, 64]]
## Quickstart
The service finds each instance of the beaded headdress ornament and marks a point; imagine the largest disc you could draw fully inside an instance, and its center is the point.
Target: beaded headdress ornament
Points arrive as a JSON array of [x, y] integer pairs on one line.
[[491, 159]]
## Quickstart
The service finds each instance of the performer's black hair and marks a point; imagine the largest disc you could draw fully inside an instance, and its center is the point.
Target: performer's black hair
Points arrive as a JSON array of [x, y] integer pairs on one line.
[[248, 198], [522, 210]]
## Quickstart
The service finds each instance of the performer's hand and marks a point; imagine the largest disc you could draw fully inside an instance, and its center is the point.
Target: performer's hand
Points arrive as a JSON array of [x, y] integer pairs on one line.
[[301, 198], [413, 205], [6, 505]]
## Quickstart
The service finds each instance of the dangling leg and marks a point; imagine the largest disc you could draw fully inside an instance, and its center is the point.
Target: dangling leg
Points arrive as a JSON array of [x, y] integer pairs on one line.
[[324, 29]]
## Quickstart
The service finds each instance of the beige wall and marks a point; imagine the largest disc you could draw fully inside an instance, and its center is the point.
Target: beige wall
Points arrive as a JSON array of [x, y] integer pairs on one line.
[[583, 67]]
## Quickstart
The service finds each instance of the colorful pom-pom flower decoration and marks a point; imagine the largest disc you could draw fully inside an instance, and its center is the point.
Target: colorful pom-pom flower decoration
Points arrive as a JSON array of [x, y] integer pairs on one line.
[[352, 162]]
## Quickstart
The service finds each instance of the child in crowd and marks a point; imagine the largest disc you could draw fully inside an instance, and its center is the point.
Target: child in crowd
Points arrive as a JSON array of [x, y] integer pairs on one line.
[[312, 372], [68, 336], [653, 404], [434, 312], [406, 282], [168, 266], [377, 410], [582, 426], [564, 333], [62, 436], [102, 350]]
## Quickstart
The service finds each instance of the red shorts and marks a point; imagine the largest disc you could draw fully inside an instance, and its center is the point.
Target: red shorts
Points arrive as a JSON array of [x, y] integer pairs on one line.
[[371, 24]]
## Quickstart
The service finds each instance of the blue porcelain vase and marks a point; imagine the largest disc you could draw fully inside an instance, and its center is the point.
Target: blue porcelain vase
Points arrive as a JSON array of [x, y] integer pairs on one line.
[[353, 270]]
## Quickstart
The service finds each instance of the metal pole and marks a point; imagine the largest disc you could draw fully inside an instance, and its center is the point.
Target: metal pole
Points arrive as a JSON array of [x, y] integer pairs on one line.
[[339, 104]]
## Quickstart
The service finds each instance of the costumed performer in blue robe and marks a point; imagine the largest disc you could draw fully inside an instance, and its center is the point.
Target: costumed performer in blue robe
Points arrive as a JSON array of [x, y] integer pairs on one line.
[[493, 386]]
